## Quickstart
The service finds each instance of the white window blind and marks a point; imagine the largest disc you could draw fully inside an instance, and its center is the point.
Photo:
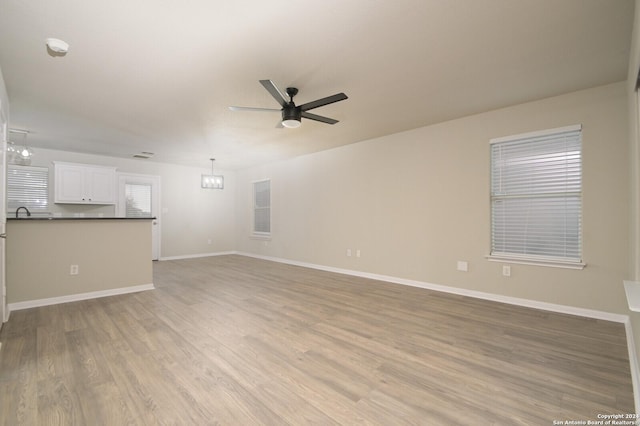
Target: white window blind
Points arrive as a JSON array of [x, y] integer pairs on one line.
[[262, 207], [27, 186], [138, 200], [536, 196]]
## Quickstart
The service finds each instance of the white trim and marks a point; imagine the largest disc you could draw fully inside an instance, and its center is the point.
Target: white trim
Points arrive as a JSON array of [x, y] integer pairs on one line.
[[536, 262], [632, 290], [537, 133], [552, 307], [156, 204], [80, 296], [633, 364], [4, 132], [259, 234], [196, 256]]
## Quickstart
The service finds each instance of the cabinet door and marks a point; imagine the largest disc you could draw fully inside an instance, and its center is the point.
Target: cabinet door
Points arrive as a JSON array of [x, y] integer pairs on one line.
[[69, 184], [100, 186], [84, 184]]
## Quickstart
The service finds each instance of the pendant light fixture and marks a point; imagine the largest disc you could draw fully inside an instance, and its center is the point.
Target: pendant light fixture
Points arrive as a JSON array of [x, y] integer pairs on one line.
[[212, 181], [17, 150]]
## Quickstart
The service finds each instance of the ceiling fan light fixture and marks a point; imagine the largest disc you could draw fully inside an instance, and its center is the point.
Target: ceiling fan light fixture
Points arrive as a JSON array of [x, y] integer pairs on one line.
[[291, 123], [291, 116]]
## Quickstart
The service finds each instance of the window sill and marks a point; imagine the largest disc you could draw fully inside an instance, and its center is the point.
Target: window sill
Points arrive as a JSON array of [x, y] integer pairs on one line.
[[265, 237], [551, 263]]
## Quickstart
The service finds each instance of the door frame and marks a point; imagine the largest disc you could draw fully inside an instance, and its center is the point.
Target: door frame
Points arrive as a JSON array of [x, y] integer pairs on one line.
[[154, 181], [4, 133]]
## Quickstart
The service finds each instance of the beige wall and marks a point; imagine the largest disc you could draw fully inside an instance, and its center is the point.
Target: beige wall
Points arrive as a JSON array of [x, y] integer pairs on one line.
[[416, 202], [190, 215], [111, 254]]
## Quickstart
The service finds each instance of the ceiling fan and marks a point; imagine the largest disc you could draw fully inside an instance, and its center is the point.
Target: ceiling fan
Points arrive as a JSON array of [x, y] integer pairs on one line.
[[291, 113]]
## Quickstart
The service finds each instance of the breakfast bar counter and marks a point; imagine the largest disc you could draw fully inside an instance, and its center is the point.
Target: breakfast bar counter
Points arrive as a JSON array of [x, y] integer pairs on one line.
[[57, 259], [76, 218]]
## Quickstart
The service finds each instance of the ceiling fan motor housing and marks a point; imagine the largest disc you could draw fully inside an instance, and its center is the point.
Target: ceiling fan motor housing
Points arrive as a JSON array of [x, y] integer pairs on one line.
[[291, 112], [292, 91]]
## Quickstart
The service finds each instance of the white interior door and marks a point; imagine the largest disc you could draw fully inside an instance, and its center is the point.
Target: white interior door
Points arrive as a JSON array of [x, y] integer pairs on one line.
[[4, 312], [139, 196]]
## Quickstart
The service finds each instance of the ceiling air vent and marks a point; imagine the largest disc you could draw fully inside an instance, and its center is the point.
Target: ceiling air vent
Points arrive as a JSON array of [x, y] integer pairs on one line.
[[144, 155]]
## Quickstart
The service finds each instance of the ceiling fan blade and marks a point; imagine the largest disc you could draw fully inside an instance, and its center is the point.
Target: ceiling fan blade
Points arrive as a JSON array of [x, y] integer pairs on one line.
[[240, 108], [318, 118], [275, 92], [324, 101]]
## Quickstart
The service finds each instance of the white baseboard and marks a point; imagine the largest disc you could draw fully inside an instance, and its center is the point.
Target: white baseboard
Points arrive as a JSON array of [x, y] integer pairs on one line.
[[196, 256], [552, 307], [633, 364], [80, 296], [589, 313]]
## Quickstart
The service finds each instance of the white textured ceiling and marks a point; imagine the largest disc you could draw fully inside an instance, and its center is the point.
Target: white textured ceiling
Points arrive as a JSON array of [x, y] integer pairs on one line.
[[158, 75]]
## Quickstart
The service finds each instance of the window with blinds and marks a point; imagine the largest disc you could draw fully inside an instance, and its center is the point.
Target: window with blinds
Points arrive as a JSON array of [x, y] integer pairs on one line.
[[138, 200], [536, 196], [262, 207], [29, 187]]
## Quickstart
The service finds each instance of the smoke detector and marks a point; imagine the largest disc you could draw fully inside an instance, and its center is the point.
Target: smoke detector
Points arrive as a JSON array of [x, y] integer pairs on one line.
[[57, 46]]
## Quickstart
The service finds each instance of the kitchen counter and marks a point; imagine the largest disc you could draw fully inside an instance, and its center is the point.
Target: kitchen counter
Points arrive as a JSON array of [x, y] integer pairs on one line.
[[79, 218], [61, 259]]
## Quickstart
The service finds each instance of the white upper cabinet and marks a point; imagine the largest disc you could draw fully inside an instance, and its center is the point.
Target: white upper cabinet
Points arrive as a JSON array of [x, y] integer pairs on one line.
[[84, 184]]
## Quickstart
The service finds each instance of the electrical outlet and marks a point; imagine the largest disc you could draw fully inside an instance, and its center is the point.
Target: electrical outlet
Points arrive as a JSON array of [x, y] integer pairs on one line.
[[462, 266], [506, 270], [358, 253], [348, 252], [74, 270], [209, 241]]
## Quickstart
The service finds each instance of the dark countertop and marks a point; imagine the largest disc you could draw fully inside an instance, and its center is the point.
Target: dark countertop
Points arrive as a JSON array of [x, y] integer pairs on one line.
[[79, 218]]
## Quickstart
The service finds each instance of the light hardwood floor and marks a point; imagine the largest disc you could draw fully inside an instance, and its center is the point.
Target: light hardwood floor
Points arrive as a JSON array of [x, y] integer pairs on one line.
[[239, 341]]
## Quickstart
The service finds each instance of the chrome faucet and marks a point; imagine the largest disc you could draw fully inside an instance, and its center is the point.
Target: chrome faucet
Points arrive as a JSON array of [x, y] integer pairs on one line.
[[25, 209]]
